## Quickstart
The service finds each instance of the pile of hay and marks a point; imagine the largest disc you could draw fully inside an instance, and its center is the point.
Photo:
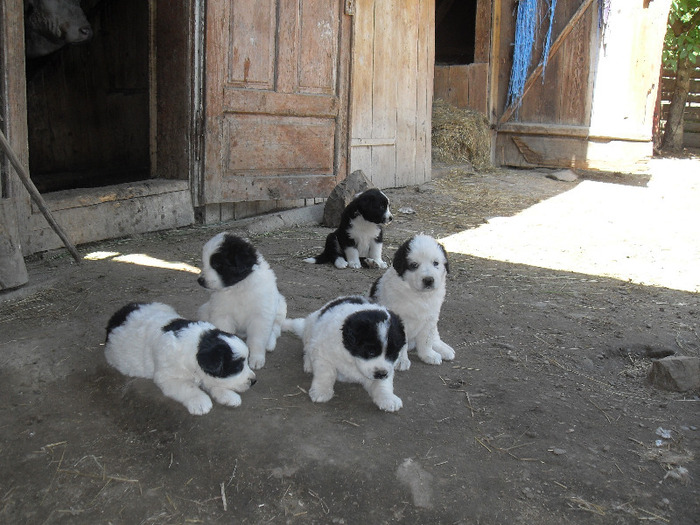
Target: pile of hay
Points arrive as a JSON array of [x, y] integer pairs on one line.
[[460, 135]]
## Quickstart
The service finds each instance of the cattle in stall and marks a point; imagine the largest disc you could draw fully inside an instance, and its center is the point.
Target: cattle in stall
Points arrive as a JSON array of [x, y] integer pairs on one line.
[[51, 24]]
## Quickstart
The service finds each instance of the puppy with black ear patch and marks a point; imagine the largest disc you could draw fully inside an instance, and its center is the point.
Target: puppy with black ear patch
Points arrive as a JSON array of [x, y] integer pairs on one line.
[[360, 235], [414, 288], [244, 297], [353, 340], [151, 340]]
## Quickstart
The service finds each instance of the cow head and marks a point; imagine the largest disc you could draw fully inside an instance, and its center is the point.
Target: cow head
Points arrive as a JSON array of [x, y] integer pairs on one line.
[[51, 24]]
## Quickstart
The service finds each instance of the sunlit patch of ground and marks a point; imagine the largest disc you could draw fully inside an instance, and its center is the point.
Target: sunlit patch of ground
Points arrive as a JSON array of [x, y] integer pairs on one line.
[[647, 235]]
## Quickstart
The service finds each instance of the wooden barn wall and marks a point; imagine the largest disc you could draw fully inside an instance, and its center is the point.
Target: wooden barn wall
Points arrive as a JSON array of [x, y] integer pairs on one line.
[[392, 91], [88, 105], [466, 85], [594, 107], [563, 97]]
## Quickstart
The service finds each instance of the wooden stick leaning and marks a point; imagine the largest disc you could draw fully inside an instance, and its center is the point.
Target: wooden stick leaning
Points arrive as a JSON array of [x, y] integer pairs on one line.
[[23, 175]]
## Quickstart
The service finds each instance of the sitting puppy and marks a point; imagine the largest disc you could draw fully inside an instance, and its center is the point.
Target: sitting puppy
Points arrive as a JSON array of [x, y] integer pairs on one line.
[[351, 339], [244, 296], [152, 341], [414, 288], [360, 233]]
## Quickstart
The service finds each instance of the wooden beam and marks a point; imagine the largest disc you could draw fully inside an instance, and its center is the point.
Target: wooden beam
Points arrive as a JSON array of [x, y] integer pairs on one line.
[[552, 51], [23, 174]]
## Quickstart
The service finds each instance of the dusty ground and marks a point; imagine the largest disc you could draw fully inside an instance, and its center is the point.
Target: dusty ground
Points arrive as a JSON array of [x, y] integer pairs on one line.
[[544, 417]]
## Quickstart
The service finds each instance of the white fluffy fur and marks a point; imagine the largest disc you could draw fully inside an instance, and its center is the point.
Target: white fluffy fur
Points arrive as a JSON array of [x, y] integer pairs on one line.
[[327, 358], [140, 348], [417, 305], [253, 309]]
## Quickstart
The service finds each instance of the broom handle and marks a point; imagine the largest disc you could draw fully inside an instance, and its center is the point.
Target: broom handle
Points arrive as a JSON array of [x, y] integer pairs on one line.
[[38, 199]]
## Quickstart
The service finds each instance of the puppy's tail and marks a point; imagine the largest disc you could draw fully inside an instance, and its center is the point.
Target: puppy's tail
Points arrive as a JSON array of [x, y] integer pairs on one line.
[[294, 325]]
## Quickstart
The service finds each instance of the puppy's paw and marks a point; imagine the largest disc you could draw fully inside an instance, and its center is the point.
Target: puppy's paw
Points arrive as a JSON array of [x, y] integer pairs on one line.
[[431, 357], [199, 405], [389, 402], [256, 361], [340, 263], [227, 397], [445, 350], [355, 264], [402, 363], [320, 395]]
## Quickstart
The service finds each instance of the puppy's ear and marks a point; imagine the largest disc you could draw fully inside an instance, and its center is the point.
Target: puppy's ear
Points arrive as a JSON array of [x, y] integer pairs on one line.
[[215, 357], [400, 262], [396, 337], [447, 262]]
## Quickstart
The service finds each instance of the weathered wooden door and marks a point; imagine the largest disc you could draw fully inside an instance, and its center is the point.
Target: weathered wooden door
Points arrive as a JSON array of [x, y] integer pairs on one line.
[[594, 107], [275, 99], [392, 90]]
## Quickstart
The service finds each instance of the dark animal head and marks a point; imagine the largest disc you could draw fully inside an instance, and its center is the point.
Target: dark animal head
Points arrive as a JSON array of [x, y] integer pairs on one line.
[[216, 356], [422, 262], [51, 24], [373, 206], [227, 260], [375, 338]]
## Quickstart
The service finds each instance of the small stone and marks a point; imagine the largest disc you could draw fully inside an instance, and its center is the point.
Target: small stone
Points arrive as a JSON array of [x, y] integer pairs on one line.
[[563, 176], [678, 374], [344, 192], [558, 451]]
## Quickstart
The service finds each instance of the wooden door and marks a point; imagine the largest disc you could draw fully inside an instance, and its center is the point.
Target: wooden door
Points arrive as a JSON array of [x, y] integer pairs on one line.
[[392, 90], [592, 107], [275, 99]]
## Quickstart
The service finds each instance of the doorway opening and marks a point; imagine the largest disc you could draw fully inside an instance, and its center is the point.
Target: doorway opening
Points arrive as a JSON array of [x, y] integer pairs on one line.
[[88, 105], [455, 31]]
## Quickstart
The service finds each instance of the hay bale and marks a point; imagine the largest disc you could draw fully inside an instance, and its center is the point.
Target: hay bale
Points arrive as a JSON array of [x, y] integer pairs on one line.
[[460, 135]]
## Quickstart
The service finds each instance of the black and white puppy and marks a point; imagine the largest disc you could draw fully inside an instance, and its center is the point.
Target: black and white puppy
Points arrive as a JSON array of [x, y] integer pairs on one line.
[[244, 297], [360, 234], [151, 340], [351, 339], [414, 288]]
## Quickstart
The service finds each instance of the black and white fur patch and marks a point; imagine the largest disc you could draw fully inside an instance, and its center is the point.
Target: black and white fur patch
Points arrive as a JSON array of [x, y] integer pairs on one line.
[[354, 340], [244, 297], [360, 235], [182, 357], [414, 288]]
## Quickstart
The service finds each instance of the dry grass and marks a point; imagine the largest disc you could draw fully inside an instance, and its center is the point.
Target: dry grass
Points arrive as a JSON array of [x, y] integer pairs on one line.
[[460, 135]]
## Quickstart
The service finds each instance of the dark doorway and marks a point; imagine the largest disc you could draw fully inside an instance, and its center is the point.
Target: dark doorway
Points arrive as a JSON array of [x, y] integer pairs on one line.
[[455, 31], [88, 105]]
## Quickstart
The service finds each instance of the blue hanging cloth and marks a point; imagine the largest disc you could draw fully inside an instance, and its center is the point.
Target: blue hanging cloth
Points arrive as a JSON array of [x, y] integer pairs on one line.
[[525, 25], [525, 30]]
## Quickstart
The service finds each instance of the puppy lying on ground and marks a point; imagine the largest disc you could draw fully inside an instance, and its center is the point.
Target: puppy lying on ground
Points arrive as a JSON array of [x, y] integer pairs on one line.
[[360, 233], [414, 288], [152, 341], [244, 297], [351, 339]]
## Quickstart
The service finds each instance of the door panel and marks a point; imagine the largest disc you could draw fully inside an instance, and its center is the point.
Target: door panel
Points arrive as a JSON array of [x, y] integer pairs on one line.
[[276, 99], [392, 90]]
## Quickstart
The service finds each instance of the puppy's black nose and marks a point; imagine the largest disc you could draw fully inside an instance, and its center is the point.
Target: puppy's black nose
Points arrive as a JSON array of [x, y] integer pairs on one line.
[[428, 282], [201, 282], [389, 218], [380, 374], [253, 381]]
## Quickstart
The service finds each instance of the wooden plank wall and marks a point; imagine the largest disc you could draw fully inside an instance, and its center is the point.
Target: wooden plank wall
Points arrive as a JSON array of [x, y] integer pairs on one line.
[[691, 116], [392, 91], [466, 85]]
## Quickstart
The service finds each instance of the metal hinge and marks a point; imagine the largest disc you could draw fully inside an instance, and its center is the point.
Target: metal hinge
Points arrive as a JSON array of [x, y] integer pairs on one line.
[[350, 7]]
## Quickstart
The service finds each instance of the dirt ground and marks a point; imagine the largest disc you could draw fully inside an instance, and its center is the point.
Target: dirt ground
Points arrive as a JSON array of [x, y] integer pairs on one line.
[[545, 416]]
